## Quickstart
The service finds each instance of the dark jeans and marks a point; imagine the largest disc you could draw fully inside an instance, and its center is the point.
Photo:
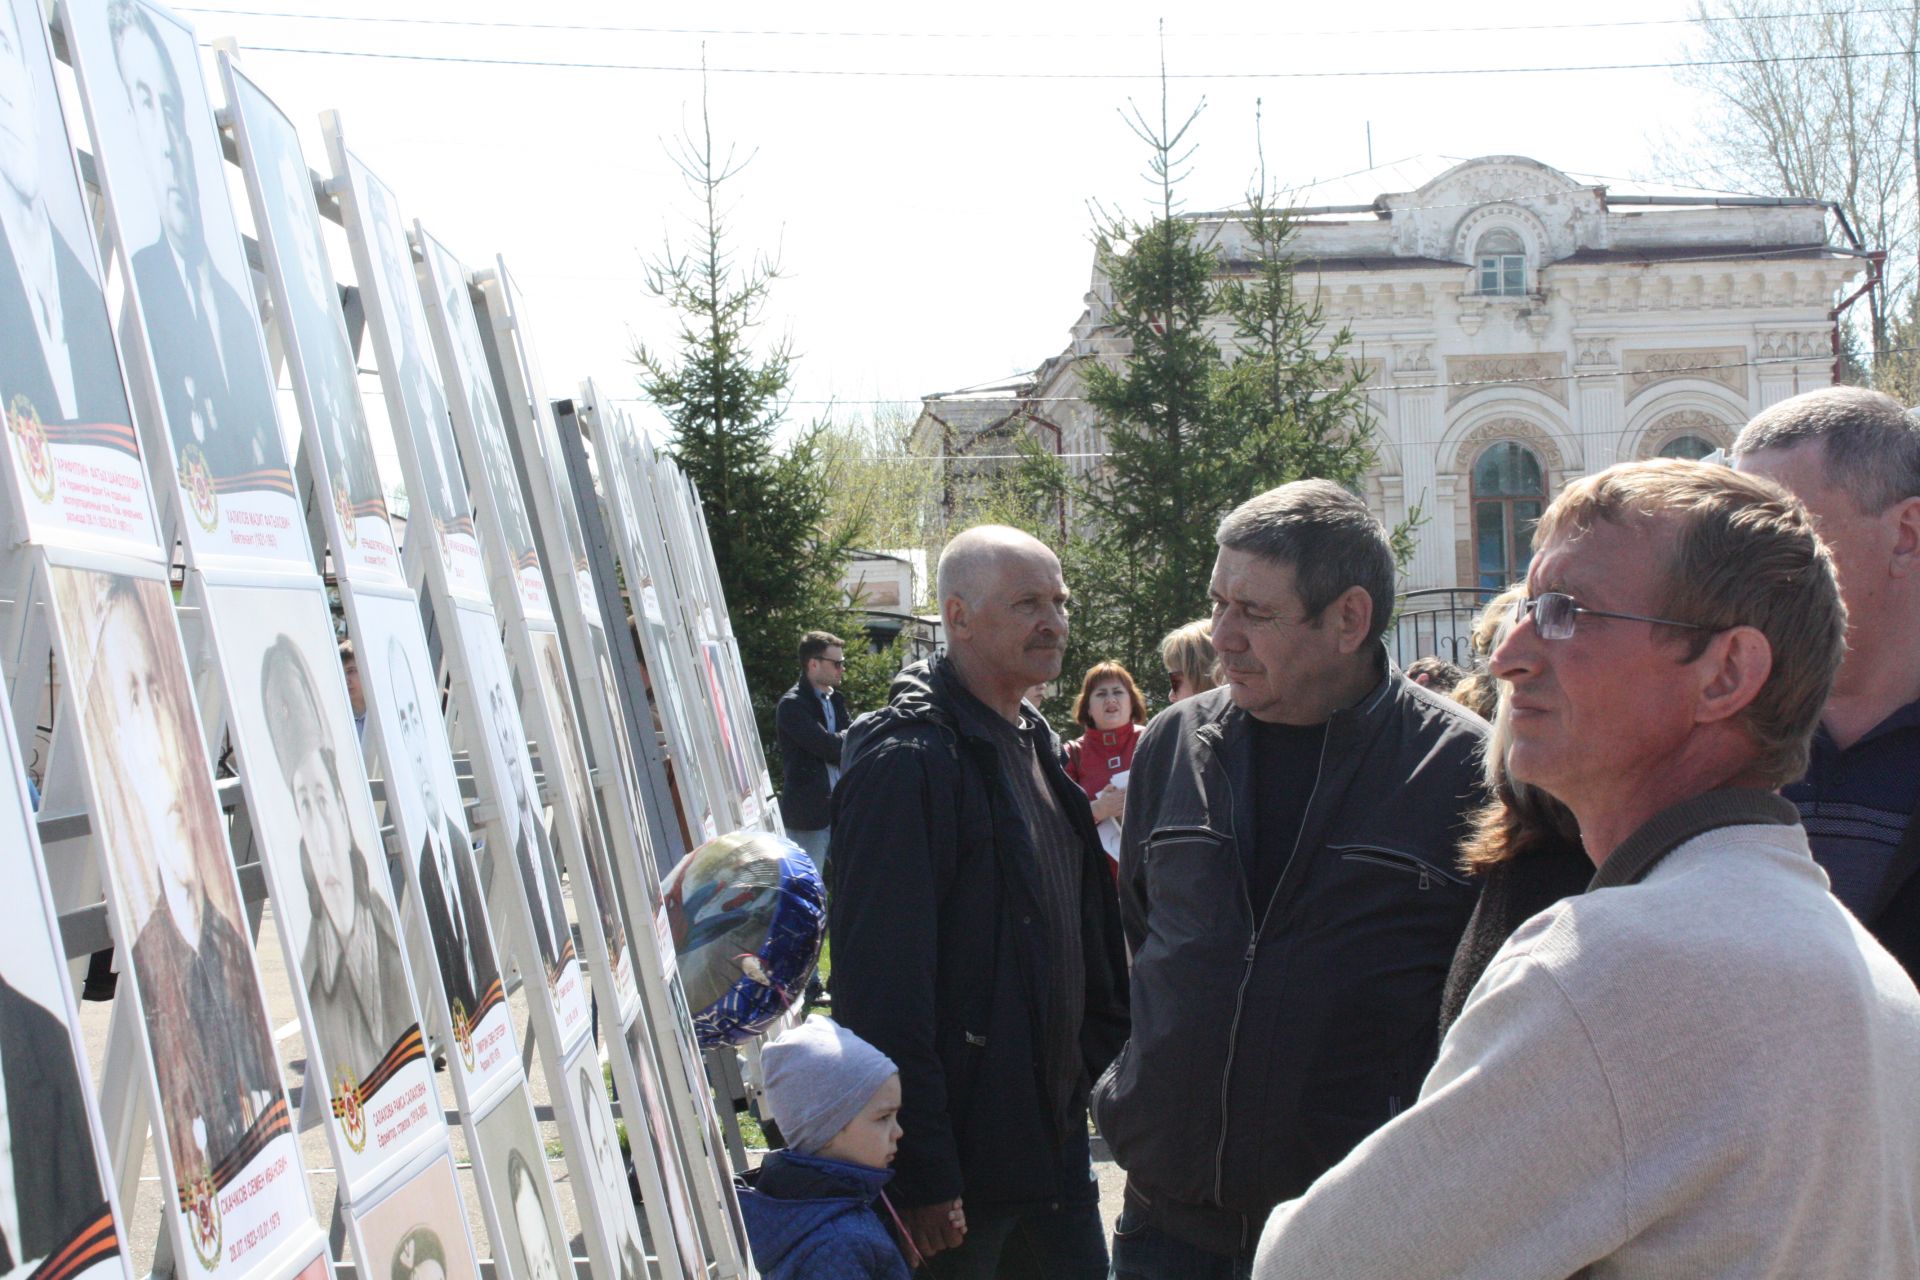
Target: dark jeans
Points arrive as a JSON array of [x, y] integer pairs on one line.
[[1046, 1242], [1142, 1251]]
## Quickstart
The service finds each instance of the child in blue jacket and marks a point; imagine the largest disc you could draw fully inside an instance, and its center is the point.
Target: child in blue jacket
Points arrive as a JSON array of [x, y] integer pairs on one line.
[[811, 1209]]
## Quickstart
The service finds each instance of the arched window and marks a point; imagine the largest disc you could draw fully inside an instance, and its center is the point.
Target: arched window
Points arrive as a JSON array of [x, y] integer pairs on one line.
[[1509, 492], [1502, 262], [1691, 448]]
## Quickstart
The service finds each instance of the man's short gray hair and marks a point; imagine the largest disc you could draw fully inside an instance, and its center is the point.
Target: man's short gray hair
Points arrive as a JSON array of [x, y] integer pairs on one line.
[[1870, 444], [1326, 535]]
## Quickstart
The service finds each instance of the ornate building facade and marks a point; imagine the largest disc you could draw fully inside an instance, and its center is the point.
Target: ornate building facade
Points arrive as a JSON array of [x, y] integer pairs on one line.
[[1520, 328]]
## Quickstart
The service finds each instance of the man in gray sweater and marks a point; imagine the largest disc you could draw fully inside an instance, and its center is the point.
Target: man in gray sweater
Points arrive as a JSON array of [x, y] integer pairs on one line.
[[1703, 1066]]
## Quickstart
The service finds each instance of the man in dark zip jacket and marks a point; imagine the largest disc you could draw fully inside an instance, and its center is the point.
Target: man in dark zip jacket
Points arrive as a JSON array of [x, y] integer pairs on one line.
[[1288, 888], [976, 940]]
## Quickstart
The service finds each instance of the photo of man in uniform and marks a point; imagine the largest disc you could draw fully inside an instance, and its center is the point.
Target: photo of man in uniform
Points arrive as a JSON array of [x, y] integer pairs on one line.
[[537, 1247], [574, 769], [414, 368], [158, 818], [201, 333], [530, 850], [352, 964], [58, 364], [327, 361], [456, 914], [611, 1172], [47, 1151]]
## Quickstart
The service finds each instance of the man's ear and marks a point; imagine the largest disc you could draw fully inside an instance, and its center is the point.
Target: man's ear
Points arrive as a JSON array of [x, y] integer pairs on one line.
[[1906, 538], [1352, 615], [1735, 668], [953, 612]]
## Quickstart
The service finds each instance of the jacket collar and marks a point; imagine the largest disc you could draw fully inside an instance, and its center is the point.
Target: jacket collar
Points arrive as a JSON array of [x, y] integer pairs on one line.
[[1224, 726]]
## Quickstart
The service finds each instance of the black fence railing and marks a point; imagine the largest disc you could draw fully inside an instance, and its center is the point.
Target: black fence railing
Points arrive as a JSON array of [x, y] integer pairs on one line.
[[1437, 622]]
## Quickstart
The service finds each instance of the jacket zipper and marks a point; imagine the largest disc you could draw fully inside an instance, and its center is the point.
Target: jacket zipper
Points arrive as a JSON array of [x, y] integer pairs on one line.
[[1253, 945], [1397, 861]]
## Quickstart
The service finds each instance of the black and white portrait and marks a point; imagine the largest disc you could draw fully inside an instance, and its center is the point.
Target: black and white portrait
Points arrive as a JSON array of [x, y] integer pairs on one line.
[[201, 329], [351, 962]]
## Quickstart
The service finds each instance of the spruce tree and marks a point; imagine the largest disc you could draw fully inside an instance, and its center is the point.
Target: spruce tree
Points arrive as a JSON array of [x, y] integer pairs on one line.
[[725, 402]]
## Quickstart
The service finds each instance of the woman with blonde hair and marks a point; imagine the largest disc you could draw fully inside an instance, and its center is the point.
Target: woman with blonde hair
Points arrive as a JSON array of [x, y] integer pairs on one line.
[[1187, 654]]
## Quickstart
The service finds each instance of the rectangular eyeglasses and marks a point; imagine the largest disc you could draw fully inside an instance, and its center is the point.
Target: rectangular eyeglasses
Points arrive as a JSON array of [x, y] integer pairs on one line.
[[1553, 614]]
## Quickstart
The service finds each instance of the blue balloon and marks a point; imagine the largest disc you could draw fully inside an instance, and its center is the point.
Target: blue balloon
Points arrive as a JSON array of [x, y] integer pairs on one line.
[[748, 915]]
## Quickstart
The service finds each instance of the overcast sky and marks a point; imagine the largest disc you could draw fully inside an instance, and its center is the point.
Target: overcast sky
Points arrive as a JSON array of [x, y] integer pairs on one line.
[[924, 178]]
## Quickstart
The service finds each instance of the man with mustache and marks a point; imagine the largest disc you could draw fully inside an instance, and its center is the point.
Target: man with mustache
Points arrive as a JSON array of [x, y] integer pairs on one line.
[[1288, 887], [975, 935]]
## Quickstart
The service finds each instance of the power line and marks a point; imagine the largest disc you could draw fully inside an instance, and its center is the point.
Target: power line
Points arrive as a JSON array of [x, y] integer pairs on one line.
[[786, 33], [878, 73], [1452, 384]]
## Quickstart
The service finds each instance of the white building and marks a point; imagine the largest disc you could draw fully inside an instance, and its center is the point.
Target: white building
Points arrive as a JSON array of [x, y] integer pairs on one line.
[[1520, 328]]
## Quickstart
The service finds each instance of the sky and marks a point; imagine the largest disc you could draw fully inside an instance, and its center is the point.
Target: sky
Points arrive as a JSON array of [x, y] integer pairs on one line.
[[926, 180]]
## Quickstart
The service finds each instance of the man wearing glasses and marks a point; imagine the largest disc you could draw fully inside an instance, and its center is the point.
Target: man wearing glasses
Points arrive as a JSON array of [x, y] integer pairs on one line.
[[811, 719], [1288, 887], [1702, 1066]]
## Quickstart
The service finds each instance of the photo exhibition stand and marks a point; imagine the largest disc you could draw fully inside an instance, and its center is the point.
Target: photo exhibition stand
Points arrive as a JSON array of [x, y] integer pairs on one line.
[[556, 520], [184, 724]]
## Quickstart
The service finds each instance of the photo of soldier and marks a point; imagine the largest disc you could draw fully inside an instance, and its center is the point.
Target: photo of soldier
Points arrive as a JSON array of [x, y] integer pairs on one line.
[[416, 1234], [573, 769], [318, 325], [419, 379], [58, 366], [517, 1173], [352, 964], [161, 826], [202, 332], [51, 1193], [610, 1172], [456, 910], [532, 851]]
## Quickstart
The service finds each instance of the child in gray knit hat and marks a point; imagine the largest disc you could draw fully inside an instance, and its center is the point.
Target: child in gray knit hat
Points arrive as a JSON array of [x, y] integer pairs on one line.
[[813, 1210]]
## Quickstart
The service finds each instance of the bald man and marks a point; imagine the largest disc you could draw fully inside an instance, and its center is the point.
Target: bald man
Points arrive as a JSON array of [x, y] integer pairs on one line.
[[976, 937]]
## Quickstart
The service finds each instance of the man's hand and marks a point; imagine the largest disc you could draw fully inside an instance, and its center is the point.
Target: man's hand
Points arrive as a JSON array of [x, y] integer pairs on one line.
[[1110, 803], [936, 1228]]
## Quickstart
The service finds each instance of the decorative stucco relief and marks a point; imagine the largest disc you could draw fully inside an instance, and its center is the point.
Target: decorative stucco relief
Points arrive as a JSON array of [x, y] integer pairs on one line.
[[1525, 430], [1542, 371], [1684, 422], [1724, 365]]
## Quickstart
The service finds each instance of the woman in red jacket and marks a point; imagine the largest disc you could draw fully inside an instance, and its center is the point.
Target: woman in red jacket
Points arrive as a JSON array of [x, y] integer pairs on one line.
[[1112, 712]]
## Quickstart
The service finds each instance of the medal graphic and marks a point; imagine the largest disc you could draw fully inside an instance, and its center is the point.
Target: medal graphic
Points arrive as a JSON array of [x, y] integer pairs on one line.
[[463, 1033], [30, 446], [343, 503], [199, 1198], [348, 1109], [196, 477]]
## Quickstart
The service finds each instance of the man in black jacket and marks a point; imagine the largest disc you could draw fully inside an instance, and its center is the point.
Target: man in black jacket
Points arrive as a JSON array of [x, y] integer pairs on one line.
[[975, 935], [1288, 887], [1853, 457], [811, 719]]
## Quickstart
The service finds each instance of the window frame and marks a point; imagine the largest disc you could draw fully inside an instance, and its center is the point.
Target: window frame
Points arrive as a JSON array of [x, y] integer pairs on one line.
[[1515, 557]]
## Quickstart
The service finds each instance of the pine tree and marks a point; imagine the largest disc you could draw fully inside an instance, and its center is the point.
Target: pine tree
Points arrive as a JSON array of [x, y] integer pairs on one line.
[[725, 402]]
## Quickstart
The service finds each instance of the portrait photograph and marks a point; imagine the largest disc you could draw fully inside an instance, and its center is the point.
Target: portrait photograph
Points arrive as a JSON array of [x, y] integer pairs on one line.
[[558, 697], [410, 374], [662, 1147], [325, 379], [424, 805], [221, 1107], [299, 756], [522, 1191], [466, 366], [418, 1231], [524, 870], [61, 394], [55, 1217], [159, 158], [612, 1198]]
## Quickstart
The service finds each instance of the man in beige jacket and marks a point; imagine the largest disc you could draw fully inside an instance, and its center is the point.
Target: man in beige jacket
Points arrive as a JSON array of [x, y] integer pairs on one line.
[[1703, 1066]]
